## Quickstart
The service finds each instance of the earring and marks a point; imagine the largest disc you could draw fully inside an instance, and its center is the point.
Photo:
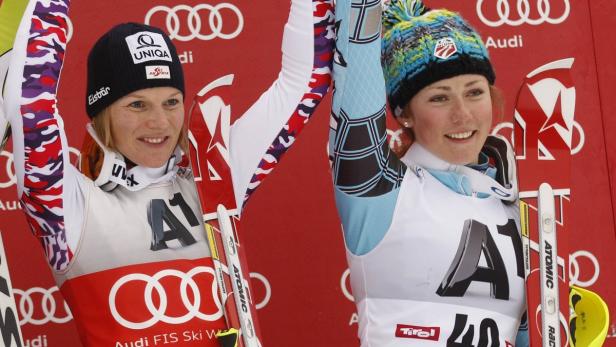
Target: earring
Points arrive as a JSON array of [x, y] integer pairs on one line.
[[406, 124]]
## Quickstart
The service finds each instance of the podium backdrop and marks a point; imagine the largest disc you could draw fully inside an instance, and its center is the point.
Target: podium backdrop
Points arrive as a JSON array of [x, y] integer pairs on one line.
[[290, 226]]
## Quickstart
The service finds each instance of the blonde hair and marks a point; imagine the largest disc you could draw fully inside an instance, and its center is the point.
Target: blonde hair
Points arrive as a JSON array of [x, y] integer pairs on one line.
[[498, 109], [92, 155]]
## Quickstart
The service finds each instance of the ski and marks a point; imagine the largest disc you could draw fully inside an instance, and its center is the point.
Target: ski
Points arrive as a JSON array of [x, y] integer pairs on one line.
[[240, 289], [543, 137], [5, 131], [9, 329], [11, 13], [548, 268], [5, 127], [209, 124]]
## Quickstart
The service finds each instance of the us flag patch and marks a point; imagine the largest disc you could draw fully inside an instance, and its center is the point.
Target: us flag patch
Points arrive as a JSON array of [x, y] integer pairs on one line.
[[445, 48]]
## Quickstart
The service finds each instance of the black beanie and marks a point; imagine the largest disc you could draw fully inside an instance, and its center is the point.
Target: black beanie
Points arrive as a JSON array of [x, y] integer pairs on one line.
[[129, 57]]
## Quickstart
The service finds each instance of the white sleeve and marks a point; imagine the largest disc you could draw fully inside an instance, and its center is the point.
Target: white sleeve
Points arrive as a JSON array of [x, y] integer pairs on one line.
[[269, 127], [49, 188]]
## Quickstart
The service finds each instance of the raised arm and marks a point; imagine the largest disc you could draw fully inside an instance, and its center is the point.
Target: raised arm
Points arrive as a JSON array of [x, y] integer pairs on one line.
[[269, 127], [10, 16], [366, 173], [40, 148]]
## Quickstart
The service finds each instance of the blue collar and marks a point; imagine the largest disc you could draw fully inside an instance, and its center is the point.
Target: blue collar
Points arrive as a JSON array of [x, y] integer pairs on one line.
[[448, 174]]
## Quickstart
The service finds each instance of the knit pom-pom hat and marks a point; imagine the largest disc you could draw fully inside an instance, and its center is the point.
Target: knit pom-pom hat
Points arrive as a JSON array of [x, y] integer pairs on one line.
[[421, 46]]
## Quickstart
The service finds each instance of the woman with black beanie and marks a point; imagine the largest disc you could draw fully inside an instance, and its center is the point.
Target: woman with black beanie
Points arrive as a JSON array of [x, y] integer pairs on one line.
[[124, 237]]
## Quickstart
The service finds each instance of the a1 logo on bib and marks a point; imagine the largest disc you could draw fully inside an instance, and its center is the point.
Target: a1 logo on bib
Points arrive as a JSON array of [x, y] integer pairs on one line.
[[445, 48], [146, 46]]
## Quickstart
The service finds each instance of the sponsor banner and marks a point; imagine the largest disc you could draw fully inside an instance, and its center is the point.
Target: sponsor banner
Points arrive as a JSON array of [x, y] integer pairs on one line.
[[202, 21], [7, 171], [40, 306], [496, 13]]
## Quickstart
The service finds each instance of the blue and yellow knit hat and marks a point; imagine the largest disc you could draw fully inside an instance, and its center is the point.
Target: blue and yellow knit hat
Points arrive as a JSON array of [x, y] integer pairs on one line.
[[421, 46]]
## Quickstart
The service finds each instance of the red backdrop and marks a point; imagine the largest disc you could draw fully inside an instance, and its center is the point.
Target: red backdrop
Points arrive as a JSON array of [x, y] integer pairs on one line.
[[290, 226]]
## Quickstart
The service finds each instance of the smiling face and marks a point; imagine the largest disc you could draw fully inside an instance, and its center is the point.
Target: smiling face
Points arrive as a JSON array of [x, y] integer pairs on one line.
[[451, 118], [146, 125]]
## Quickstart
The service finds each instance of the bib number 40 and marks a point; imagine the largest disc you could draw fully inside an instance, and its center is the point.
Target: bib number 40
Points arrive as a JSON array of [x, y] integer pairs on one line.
[[463, 334]]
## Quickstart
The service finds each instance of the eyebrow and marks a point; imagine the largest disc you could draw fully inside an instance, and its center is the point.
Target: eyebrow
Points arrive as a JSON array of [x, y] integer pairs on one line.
[[469, 84], [139, 96]]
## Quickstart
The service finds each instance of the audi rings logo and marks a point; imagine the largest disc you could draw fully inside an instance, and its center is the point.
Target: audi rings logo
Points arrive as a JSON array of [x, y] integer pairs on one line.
[[575, 268], [7, 173], [38, 306], [191, 299], [7, 178], [499, 12], [345, 285], [203, 21], [158, 312], [69, 29]]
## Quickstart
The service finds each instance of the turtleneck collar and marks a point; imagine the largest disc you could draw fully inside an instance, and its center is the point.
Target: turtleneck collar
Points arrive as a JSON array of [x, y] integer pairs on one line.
[[114, 170], [476, 180]]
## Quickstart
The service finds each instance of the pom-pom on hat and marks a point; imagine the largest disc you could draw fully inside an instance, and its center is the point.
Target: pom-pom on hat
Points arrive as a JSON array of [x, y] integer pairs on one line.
[[129, 57], [421, 46]]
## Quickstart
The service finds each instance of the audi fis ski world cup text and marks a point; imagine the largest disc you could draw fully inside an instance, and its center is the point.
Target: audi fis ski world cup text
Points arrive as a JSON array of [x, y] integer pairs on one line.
[[516, 13], [169, 338]]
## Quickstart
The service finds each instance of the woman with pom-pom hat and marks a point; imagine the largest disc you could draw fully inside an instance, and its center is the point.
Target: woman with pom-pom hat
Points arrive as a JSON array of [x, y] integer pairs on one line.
[[432, 235]]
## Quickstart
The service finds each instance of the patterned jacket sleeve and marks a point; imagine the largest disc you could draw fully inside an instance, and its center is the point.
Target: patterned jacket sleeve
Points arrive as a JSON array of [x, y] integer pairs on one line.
[[269, 127], [49, 188], [366, 173]]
